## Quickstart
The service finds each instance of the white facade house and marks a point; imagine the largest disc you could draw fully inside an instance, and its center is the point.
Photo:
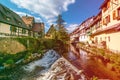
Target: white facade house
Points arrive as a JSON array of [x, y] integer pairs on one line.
[[83, 37]]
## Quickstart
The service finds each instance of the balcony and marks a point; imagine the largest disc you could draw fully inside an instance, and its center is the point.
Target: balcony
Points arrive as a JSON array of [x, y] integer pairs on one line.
[[104, 30]]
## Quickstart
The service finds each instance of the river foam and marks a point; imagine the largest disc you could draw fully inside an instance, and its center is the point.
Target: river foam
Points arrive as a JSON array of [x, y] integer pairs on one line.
[[47, 60]]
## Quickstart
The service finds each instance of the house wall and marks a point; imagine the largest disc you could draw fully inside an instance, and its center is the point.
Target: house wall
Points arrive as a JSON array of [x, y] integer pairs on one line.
[[99, 38], [5, 28], [83, 38], [21, 33], [111, 38], [113, 43], [113, 7]]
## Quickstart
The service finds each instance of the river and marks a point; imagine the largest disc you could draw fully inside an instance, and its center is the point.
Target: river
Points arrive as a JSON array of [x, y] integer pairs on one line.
[[76, 64], [91, 67]]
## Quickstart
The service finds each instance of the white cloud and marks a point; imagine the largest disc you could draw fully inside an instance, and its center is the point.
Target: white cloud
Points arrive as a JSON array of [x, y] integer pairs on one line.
[[72, 27], [22, 13], [48, 9], [51, 21], [37, 19]]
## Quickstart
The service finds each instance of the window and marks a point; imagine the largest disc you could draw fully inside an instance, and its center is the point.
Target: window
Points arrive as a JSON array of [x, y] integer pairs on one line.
[[118, 11], [108, 19], [106, 6], [84, 36], [23, 31], [109, 38], [114, 15], [96, 40], [20, 23], [104, 22], [13, 29], [105, 38], [100, 38], [17, 21], [8, 18]]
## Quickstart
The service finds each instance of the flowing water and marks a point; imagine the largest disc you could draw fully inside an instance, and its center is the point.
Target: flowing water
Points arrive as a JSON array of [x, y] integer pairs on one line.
[[40, 67], [36, 68], [76, 60]]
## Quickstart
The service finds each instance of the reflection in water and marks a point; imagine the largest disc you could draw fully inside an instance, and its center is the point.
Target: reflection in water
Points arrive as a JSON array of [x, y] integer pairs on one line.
[[90, 66], [74, 50]]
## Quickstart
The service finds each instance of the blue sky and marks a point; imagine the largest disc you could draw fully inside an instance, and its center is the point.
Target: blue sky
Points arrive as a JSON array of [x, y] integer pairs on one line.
[[73, 12]]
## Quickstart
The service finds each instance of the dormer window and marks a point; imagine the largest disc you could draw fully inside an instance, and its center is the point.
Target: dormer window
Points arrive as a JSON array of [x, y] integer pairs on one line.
[[20, 23], [8, 18], [106, 6]]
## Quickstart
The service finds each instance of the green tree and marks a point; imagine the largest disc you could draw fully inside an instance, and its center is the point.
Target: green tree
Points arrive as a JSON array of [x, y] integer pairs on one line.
[[60, 21], [61, 32]]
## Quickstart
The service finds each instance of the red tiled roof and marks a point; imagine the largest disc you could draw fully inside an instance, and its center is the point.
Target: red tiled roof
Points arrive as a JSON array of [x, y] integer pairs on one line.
[[38, 27], [28, 20], [104, 3], [76, 30]]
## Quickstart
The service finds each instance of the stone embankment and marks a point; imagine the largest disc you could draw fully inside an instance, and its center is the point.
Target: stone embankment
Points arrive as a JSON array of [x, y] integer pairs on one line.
[[63, 70]]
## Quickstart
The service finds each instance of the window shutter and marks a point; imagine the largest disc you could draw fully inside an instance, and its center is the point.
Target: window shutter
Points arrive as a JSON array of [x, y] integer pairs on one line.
[[114, 15], [118, 13], [103, 22], [108, 18]]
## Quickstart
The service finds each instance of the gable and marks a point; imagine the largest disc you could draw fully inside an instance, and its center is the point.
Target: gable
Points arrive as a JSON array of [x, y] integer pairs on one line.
[[9, 17]]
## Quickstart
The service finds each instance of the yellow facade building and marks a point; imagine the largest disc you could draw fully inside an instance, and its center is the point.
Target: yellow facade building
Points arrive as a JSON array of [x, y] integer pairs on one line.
[[108, 34]]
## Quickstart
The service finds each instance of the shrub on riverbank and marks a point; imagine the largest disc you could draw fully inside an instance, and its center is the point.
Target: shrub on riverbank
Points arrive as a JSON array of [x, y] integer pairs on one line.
[[58, 45], [34, 48]]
